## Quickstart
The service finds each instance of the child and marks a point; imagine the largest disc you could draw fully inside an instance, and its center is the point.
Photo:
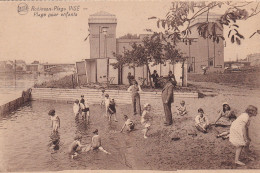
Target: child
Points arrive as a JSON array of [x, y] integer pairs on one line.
[[146, 118], [182, 109], [107, 101], [226, 116], [201, 121], [76, 107], [76, 146], [96, 142], [102, 98], [85, 110], [55, 120], [128, 124], [112, 109], [239, 131]]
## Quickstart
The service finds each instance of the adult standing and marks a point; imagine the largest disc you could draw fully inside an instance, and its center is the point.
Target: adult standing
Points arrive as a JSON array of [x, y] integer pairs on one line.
[[135, 89], [155, 77], [168, 99], [130, 78]]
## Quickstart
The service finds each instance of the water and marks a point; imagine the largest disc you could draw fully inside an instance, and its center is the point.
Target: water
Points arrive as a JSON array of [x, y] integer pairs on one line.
[[11, 85], [25, 136]]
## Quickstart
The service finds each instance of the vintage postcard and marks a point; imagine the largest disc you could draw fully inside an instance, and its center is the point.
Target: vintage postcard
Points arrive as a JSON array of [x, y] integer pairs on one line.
[[129, 85]]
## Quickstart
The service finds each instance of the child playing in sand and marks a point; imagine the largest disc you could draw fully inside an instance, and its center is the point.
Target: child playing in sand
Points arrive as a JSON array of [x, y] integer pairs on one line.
[[85, 110], [102, 97], [55, 120], [128, 124], [76, 146], [96, 142], [182, 109], [239, 136], [76, 107], [112, 110], [201, 121], [146, 118], [226, 116], [107, 101]]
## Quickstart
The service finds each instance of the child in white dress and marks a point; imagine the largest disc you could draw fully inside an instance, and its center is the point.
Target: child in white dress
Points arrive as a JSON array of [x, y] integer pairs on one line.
[[146, 118], [182, 109], [55, 120], [76, 107], [201, 121], [107, 101], [102, 97], [239, 136]]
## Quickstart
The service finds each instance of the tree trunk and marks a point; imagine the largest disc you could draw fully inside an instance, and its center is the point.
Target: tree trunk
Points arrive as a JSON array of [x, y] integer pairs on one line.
[[149, 74]]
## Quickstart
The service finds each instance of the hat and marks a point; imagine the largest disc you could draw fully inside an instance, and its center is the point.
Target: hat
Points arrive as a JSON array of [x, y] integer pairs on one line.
[[146, 105], [106, 95], [77, 137], [96, 131], [225, 103], [182, 102], [52, 112], [200, 110]]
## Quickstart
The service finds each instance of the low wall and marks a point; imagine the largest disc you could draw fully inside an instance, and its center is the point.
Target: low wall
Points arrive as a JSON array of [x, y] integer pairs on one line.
[[94, 95], [15, 104]]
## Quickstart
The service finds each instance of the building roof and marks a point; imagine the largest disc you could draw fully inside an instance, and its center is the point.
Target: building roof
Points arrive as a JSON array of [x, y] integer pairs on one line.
[[102, 13], [102, 17]]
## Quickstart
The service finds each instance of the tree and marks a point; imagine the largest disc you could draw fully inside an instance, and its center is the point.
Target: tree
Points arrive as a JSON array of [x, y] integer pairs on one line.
[[129, 36], [154, 49], [184, 14]]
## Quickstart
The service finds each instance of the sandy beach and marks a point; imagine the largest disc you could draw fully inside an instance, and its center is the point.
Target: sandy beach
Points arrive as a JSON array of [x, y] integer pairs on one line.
[[129, 151]]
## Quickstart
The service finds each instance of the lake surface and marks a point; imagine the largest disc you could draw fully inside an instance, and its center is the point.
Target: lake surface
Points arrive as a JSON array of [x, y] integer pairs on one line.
[[11, 85]]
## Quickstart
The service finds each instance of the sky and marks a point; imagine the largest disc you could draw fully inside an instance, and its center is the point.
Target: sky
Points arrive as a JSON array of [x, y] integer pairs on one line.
[[61, 40]]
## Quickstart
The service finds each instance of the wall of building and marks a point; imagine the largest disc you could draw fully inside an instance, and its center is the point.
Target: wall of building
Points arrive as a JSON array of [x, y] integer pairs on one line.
[[98, 41]]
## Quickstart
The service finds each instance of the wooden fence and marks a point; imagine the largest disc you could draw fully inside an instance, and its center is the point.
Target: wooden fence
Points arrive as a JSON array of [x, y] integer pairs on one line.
[[94, 95]]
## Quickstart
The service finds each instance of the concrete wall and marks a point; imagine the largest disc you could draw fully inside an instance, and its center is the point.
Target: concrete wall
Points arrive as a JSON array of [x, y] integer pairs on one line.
[[93, 95], [15, 104]]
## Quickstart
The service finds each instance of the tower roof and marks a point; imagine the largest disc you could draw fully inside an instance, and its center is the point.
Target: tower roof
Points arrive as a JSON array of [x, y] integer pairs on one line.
[[102, 13], [102, 17]]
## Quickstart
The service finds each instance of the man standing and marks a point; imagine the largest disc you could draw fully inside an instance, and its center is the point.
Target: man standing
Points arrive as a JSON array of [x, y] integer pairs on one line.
[[155, 77], [167, 99]]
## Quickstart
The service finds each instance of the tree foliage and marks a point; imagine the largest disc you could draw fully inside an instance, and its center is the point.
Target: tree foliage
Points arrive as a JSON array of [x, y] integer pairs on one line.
[[154, 49], [185, 13]]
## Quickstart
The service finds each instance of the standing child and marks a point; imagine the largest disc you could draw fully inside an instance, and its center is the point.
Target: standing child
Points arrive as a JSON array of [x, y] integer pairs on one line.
[[76, 108], [239, 136], [85, 110], [146, 118], [128, 124], [112, 110], [107, 101], [201, 121], [182, 109], [102, 98], [55, 120]]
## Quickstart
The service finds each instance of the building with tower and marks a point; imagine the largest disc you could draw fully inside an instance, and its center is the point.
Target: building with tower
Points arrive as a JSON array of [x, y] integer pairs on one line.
[[103, 43]]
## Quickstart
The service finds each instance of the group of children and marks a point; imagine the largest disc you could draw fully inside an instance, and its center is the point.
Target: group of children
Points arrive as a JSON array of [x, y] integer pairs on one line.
[[238, 133]]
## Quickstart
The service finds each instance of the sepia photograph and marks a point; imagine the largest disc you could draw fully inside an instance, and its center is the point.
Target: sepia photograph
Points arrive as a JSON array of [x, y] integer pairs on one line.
[[129, 85]]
